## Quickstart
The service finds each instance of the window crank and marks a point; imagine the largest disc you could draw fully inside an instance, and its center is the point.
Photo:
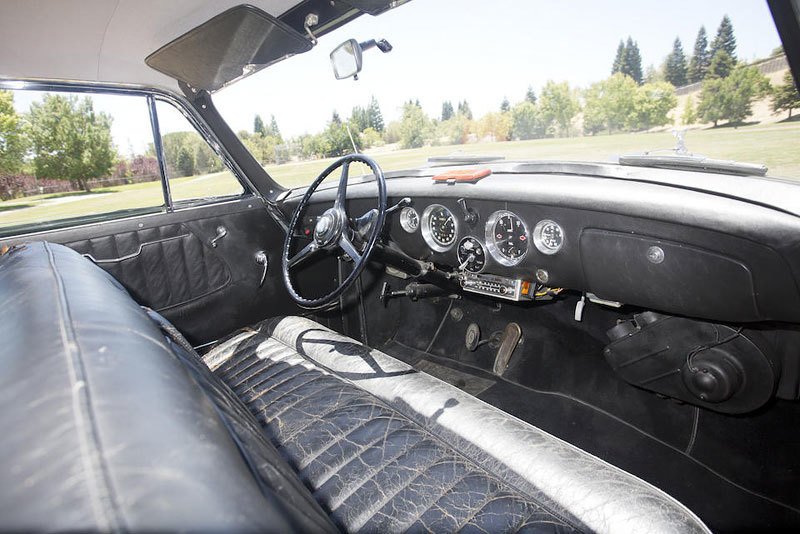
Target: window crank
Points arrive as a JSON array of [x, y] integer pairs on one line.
[[261, 259], [221, 232]]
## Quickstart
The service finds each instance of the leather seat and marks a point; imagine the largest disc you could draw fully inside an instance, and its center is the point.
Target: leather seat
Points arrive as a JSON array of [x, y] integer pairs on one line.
[[385, 448]]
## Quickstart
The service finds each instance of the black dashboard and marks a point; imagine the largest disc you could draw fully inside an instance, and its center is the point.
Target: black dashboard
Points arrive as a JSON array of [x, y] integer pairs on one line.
[[661, 247]]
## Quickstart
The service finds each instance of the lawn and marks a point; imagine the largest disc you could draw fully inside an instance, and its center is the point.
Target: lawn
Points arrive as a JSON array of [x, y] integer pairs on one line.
[[776, 145]]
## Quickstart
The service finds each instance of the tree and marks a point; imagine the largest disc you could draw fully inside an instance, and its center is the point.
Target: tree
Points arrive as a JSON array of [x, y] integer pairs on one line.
[[698, 66], [631, 61], [689, 115], [273, 129], [463, 109], [525, 121], [336, 139], [374, 115], [558, 105], [530, 95], [371, 137], [651, 106], [258, 126], [359, 119], [505, 105], [675, 68], [724, 40], [185, 162], [785, 97], [13, 138], [455, 130], [721, 65], [496, 126], [609, 104], [732, 98], [447, 110], [619, 58], [70, 140], [413, 126]]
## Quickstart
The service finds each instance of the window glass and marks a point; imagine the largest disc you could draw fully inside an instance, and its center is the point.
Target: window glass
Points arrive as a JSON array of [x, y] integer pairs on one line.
[[71, 155], [194, 170]]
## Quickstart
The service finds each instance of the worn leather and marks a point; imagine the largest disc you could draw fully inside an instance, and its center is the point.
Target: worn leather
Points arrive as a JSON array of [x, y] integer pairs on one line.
[[385, 448], [105, 426], [165, 266]]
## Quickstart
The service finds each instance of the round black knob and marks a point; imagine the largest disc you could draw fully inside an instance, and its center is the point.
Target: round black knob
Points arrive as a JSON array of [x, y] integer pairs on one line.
[[712, 377]]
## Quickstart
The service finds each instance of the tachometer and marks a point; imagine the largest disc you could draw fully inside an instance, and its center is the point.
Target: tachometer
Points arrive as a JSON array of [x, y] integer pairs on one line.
[[470, 255], [506, 237], [438, 227], [548, 236], [409, 219]]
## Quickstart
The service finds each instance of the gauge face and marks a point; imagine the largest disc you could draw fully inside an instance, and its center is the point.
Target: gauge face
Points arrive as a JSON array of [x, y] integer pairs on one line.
[[548, 237], [471, 256], [409, 219], [506, 237], [438, 227]]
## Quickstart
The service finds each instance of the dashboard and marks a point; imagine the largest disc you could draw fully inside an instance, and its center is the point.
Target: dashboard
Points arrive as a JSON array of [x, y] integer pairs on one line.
[[669, 249]]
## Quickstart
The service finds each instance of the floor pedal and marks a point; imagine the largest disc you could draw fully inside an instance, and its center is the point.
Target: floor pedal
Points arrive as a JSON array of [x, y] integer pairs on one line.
[[509, 340]]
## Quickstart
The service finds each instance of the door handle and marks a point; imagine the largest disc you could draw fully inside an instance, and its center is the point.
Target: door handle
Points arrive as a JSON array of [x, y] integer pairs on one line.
[[262, 259], [221, 232]]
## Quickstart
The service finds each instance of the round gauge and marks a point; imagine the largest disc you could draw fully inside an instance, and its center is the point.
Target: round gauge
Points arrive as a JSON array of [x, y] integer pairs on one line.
[[409, 219], [548, 236], [506, 237], [438, 227], [471, 256]]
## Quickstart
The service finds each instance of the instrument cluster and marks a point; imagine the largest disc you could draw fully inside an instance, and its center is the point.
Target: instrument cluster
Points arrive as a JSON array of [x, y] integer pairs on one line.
[[507, 239]]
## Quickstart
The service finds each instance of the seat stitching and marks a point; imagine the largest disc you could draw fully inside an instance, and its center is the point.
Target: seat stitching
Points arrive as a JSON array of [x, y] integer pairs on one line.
[[489, 498], [386, 500], [347, 404], [274, 389], [84, 415], [319, 416], [442, 494], [264, 368]]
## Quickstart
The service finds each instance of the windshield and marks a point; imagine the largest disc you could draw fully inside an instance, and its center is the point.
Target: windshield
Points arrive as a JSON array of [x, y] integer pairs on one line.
[[581, 81]]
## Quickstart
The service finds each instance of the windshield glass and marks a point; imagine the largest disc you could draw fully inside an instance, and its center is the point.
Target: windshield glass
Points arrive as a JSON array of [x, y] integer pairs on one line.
[[581, 81]]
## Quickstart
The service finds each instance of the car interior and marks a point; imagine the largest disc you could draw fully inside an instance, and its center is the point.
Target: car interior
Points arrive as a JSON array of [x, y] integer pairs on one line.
[[475, 344]]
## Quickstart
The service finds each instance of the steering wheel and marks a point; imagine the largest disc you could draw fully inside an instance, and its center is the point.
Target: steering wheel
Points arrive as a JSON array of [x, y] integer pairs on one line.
[[334, 230]]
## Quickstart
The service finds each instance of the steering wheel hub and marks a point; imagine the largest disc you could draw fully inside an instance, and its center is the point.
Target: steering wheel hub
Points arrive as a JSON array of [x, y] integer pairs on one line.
[[328, 228]]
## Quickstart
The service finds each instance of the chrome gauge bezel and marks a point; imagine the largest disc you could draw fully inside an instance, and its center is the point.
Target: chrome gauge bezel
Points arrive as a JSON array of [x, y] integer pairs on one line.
[[461, 260], [491, 245], [427, 235], [538, 241], [405, 224]]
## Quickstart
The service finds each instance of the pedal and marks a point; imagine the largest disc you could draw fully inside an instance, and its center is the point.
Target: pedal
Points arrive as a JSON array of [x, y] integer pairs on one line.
[[508, 342]]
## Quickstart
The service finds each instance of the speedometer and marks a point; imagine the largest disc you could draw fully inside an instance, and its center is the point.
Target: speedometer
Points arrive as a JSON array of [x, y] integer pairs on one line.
[[438, 227], [506, 237]]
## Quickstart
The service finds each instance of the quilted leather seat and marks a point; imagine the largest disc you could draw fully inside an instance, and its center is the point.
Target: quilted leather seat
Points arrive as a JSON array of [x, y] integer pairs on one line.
[[385, 448]]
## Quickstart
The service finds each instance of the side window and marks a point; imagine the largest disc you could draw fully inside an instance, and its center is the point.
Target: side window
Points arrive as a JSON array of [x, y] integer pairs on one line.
[[66, 156], [194, 170]]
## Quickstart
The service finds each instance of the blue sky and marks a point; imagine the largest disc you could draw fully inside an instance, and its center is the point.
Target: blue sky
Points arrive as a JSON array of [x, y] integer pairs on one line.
[[481, 52]]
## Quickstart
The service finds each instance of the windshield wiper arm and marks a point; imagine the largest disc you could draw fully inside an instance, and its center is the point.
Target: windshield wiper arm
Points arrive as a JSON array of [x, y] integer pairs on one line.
[[693, 162]]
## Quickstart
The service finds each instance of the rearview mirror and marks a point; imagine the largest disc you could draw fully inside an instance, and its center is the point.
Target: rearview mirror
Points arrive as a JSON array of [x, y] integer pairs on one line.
[[346, 58]]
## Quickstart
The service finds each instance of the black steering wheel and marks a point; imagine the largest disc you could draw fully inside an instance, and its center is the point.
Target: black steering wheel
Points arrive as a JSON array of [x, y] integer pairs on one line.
[[333, 230]]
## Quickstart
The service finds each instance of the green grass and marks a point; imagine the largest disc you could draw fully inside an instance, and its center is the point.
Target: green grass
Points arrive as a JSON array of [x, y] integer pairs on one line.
[[776, 145]]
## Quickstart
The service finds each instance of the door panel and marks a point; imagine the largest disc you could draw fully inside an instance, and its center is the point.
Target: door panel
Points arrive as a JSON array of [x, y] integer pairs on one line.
[[167, 262]]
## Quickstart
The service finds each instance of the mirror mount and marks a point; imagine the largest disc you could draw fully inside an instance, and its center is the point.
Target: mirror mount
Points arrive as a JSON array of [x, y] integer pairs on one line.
[[347, 57]]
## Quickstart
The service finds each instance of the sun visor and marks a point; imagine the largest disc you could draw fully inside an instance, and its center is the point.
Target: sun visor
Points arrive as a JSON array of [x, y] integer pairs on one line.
[[230, 46]]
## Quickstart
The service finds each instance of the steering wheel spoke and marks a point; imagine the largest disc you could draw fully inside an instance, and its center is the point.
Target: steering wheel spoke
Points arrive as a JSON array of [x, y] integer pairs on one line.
[[341, 192], [349, 248], [305, 253]]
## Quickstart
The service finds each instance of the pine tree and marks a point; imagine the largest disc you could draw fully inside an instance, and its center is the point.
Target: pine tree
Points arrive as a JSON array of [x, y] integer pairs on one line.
[[698, 66], [675, 69], [447, 110], [530, 95], [375, 117], [786, 97], [724, 39], [463, 109], [258, 126], [619, 59], [273, 128], [721, 65], [505, 105], [632, 63]]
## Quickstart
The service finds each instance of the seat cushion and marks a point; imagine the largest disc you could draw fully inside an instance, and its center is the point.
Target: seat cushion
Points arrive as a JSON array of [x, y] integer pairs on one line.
[[386, 448]]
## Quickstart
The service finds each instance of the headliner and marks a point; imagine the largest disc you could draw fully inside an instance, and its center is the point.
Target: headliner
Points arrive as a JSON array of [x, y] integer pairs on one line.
[[101, 40]]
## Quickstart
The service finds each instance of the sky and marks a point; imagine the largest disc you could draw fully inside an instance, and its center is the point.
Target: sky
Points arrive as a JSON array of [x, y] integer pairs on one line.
[[457, 50], [482, 52]]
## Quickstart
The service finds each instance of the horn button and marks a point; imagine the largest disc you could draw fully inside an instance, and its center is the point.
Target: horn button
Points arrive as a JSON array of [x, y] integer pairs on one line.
[[328, 228]]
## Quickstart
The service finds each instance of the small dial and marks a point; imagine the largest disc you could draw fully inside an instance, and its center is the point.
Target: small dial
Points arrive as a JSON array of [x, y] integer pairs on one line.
[[471, 256], [507, 237], [548, 237], [439, 227], [409, 219]]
